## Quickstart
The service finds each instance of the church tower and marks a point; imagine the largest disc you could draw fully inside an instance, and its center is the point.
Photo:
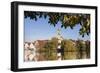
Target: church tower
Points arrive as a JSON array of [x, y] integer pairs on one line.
[[59, 49]]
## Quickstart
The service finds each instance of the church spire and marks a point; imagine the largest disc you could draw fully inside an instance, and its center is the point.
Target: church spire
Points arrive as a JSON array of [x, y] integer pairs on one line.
[[58, 34]]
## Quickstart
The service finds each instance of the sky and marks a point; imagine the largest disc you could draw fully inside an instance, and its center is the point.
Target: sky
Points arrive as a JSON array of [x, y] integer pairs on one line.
[[42, 30]]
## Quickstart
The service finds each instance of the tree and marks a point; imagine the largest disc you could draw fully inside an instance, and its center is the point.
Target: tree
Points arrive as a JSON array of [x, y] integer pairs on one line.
[[88, 48], [67, 19], [69, 49], [81, 47], [50, 48]]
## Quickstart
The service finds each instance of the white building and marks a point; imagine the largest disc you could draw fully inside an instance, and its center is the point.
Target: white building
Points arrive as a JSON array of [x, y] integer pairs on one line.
[[30, 52]]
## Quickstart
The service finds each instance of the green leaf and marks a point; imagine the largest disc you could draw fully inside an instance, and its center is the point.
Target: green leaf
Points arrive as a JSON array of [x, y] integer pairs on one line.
[[83, 35]]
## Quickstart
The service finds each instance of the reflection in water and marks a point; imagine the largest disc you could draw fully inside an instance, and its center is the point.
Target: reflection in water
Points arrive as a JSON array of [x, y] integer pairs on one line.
[[47, 51], [75, 55], [67, 55], [52, 55]]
